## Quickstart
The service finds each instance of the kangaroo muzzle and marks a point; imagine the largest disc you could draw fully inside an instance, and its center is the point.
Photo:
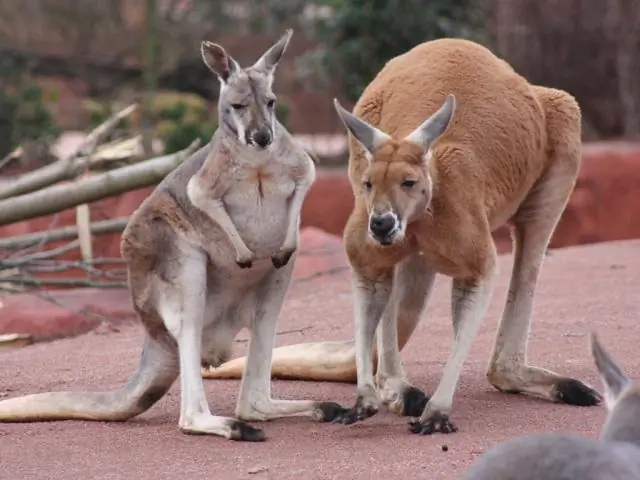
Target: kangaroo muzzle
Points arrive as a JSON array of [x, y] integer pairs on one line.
[[260, 138], [384, 227]]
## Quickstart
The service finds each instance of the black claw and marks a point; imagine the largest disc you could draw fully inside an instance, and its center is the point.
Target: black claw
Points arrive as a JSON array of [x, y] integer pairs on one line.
[[414, 402], [244, 432], [437, 423], [245, 264], [330, 412], [359, 412], [574, 392], [281, 259]]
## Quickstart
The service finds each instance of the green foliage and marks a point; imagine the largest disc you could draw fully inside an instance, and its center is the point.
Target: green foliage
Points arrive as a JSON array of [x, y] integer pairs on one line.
[[282, 112], [24, 116], [183, 118], [362, 35], [182, 134]]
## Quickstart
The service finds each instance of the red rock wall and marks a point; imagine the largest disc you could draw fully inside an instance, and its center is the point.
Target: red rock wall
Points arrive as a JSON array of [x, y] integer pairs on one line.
[[605, 205]]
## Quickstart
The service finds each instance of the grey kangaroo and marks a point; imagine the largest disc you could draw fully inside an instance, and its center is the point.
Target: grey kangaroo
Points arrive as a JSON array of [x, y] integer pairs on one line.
[[209, 252], [556, 456]]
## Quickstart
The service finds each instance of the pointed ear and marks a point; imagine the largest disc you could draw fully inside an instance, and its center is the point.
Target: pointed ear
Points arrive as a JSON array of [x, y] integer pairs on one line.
[[219, 62], [611, 373], [369, 136], [268, 62], [434, 126]]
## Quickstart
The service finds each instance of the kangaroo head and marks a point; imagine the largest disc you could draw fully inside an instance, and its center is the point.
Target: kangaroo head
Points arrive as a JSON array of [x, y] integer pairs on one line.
[[246, 105], [396, 184], [621, 394]]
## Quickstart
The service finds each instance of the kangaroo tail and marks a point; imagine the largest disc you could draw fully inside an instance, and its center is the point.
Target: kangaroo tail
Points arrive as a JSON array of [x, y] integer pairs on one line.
[[156, 372], [319, 361]]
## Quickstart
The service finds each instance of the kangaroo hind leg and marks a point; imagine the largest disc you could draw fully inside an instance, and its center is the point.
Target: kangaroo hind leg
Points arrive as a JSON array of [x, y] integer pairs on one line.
[[535, 222], [181, 302], [254, 401]]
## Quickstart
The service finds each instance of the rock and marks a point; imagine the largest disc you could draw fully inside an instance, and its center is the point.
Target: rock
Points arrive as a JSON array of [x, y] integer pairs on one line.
[[58, 314]]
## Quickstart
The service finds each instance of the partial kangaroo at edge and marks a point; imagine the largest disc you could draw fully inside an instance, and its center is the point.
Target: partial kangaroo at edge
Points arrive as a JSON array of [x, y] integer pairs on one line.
[[199, 271], [561, 456], [447, 144]]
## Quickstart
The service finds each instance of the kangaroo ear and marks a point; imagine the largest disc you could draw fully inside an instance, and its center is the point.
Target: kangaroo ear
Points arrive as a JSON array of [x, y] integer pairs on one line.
[[611, 373], [218, 60], [434, 126], [369, 136], [268, 62]]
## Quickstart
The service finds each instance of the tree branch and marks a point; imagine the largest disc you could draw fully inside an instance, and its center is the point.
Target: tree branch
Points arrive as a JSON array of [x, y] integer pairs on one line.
[[66, 233], [66, 168], [62, 282], [60, 197]]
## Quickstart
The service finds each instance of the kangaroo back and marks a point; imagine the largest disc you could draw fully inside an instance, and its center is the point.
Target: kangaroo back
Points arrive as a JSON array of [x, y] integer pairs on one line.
[[557, 456]]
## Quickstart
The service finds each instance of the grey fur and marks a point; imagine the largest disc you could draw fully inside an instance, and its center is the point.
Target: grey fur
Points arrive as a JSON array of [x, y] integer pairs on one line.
[[559, 456], [209, 252]]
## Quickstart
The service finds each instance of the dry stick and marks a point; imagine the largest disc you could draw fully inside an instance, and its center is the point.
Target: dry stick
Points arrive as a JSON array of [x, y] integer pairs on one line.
[[54, 252], [66, 233], [62, 266], [66, 282], [65, 168], [60, 197], [14, 155]]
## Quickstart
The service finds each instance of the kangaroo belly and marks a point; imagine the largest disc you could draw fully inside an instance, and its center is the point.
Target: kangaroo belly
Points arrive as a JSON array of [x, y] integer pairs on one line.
[[260, 212], [262, 227]]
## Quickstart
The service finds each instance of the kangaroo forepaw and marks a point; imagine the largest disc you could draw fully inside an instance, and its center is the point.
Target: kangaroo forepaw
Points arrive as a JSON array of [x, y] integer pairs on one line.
[[414, 402], [281, 258], [436, 423], [245, 260]]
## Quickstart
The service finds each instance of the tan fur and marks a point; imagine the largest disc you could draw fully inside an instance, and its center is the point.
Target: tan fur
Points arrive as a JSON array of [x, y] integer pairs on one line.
[[510, 154]]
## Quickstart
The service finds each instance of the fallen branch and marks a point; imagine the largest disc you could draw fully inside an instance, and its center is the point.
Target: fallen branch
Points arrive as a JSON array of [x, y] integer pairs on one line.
[[60, 197], [66, 233], [282, 332], [65, 168], [11, 156], [15, 340], [57, 266], [62, 282], [54, 252]]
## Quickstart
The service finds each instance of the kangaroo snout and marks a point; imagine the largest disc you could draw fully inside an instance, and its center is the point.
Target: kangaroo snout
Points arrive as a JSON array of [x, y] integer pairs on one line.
[[383, 227], [262, 138]]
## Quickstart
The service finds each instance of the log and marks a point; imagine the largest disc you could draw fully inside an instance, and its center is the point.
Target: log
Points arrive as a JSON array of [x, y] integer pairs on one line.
[[115, 182]]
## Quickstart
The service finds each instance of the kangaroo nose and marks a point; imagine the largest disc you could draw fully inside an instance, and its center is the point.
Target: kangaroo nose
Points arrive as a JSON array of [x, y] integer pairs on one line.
[[262, 138], [382, 225]]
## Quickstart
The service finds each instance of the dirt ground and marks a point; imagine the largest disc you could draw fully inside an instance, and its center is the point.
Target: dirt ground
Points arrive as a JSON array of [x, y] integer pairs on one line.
[[582, 288]]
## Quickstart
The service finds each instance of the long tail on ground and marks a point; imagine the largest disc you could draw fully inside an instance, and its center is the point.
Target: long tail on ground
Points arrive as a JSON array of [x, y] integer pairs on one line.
[[156, 372], [317, 361]]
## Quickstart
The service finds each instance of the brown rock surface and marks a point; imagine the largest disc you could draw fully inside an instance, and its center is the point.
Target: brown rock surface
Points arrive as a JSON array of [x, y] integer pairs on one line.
[[574, 296]]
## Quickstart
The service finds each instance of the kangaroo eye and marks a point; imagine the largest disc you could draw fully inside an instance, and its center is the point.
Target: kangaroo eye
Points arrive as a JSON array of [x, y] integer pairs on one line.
[[408, 183], [367, 184], [271, 103], [237, 106]]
